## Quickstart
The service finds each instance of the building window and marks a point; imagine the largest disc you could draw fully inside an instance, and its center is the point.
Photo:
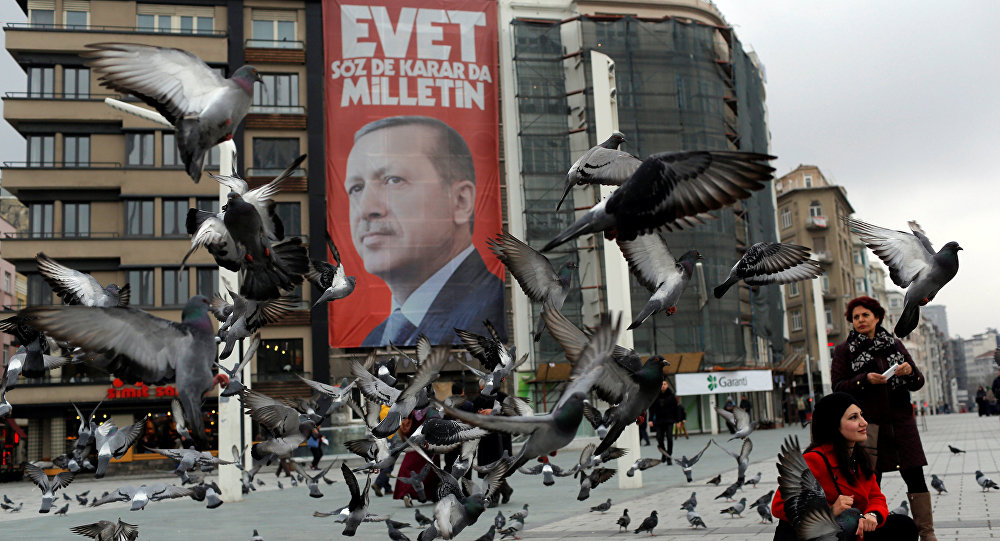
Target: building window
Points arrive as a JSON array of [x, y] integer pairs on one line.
[[819, 244], [183, 20], [41, 82], [76, 18], [139, 217], [40, 220], [786, 218], [808, 180], [793, 289], [171, 154], [859, 285], [175, 287], [825, 283], [828, 311], [41, 150], [42, 15], [76, 83], [796, 320], [857, 257], [815, 209], [76, 219], [280, 357], [208, 204], [272, 155], [76, 151], [174, 213], [291, 218], [6, 282], [141, 283], [39, 291], [139, 149], [278, 90], [208, 282], [273, 28]]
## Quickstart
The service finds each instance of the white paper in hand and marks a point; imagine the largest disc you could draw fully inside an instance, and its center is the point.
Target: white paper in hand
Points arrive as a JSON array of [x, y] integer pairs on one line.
[[890, 372]]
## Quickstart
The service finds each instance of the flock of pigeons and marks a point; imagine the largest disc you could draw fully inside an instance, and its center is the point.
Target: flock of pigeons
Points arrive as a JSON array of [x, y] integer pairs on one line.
[[665, 191]]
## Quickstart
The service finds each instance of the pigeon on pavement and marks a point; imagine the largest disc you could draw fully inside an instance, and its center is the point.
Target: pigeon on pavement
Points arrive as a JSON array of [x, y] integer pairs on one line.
[[736, 509], [648, 523], [937, 484], [539, 280], [985, 482], [763, 500], [739, 420], [695, 520], [394, 533], [913, 265], [730, 491], [771, 263], [754, 480], [62, 510], [955, 450], [204, 108], [603, 164], [691, 503], [602, 507], [903, 509], [256, 536], [141, 495], [672, 190], [513, 528], [75, 287], [489, 535], [623, 521], [655, 268], [764, 510], [500, 521], [687, 463], [715, 480], [422, 519], [111, 531], [805, 501]]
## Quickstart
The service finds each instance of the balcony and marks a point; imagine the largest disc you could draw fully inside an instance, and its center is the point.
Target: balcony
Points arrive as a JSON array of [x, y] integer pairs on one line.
[[823, 257], [259, 176], [266, 51], [815, 223], [33, 37], [22, 246], [829, 295], [102, 175], [276, 117]]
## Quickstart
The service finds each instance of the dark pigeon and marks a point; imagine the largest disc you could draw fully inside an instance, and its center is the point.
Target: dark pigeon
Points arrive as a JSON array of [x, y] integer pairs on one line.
[[938, 485], [771, 263], [648, 523], [805, 501], [106, 530], [715, 480], [955, 450], [602, 507], [623, 521]]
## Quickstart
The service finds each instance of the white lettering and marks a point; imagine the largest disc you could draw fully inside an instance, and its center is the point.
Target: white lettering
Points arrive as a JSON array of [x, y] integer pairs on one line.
[[427, 34], [467, 22], [352, 30], [424, 89], [394, 42], [354, 92]]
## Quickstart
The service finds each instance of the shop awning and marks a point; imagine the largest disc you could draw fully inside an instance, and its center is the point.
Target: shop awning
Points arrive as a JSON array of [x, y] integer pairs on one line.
[[683, 363], [792, 364], [552, 373]]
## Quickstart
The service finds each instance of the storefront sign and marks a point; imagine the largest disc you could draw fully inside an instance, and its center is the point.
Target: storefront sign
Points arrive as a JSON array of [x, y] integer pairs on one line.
[[737, 381], [119, 391]]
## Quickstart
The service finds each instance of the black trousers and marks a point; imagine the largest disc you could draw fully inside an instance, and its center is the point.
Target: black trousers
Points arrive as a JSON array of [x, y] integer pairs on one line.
[[317, 455], [895, 528], [665, 430], [913, 477]]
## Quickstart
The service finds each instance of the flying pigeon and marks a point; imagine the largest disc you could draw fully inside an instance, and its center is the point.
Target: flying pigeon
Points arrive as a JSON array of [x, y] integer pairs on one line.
[[32, 360], [112, 442], [672, 190], [234, 383], [955, 450], [401, 403], [642, 464], [492, 354], [742, 459], [416, 481], [358, 507], [648, 523], [687, 463], [691, 503], [771, 263], [267, 269], [596, 477], [729, 492], [913, 265], [338, 395], [548, 471], [141, 495], [75, 287], [736, 509], [985, 482], [695, 520], [739, 419], [5, 407], [343, 513], [602, 507], [754, 480], [189, 459], [715, 480], [539, 280], [903, 509], [204, 108], [244, 317], [111, 531], [623, 521], [603, 164], [550, 432], [601, 422], [85, 438], [454, 513], [208, 493], [937, 484], [49, 485], [653, 266], [155, 350], [288, 426], [330, 278], [805, 500]]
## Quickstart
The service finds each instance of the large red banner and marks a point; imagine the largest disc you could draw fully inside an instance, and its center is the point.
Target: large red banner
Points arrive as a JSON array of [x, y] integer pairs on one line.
[[413, 182]]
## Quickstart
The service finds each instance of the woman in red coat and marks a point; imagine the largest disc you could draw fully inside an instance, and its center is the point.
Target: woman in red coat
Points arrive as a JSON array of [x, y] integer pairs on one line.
[[857, 368], [846, 475]]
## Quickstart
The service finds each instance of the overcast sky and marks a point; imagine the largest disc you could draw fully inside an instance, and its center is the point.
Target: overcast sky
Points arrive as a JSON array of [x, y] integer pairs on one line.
[[896, 101]]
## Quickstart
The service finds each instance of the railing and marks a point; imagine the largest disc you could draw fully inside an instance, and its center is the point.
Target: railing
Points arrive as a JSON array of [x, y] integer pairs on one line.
[[278, 109], [75, 96], [110, 29], [274, 44], [816, 222], [60, 235], [273, 172], [62, 165]]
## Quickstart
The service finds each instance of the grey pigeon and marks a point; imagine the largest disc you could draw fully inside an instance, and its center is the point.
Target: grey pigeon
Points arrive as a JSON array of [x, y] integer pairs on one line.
[[603, 164], [416, 481], [114, 442], [32, 361], [691, 503], [342, 514], [189, 459], [394, 533], [805, 501], [11, 507], [596, 477], [623, 521], [209, 494], [955, 450], [155, 350], [764, 510], [104, 530], [401, 403], [513, 529], [739, 420], [903, 509], [763, 500], [62, 510], [256, 536], [5, 407], [742, 459], [499, 521], [489, 535], [534, 273], [729, 492], [243, 317], [653, 266], [331, 279], [67, 497], [913, 265], [453, 513], [601, 422], [937, 484], [204, 108], [715, 480], [672, 190], [358, 506], [288, 427], [84, 439], [75, 287], [602, 507], [648, 523], [985, 482], [312, 481], [422, 519], [522, 514], [642, 464], [771, 263], [736, 509], [82, 498], [552, 431], [141, 495], [754, 480], [429, 534], [234, 377], [491, 352], [695, 520], [687, 464], [548, 471]]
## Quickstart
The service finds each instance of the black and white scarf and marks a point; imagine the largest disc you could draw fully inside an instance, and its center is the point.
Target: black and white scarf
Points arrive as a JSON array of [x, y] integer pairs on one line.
[[863, 349]]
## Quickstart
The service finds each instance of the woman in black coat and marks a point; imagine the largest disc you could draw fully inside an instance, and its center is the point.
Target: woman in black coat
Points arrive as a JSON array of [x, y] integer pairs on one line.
[[857, 368]]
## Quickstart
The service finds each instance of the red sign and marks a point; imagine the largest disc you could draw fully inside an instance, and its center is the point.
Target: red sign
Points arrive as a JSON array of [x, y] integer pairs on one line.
[[119, 390], [413, 182]]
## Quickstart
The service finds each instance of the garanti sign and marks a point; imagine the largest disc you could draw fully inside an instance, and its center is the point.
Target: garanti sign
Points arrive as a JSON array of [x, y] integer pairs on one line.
[[737, 381]]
